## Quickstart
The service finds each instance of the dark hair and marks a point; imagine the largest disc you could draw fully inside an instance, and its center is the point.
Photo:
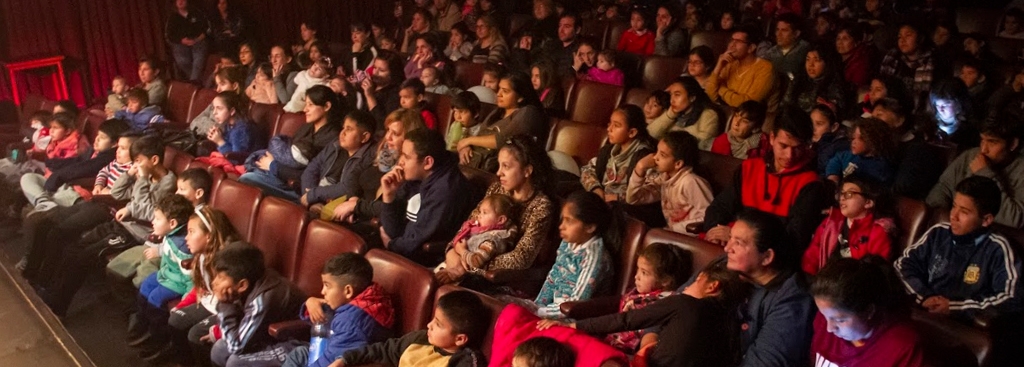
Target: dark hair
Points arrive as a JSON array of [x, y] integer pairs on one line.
[[200, 179], [427, 142], [240, 261], [1004, 127], [287, 50], [462, 28], [824, 109], [833, 61], [351, 269], [496, 69], [114, 128], [415, 85], [427, 16], [792, 19], [770, 234], [796, 122], [175, 207], [522, 86], [232, 58], [233, 74], [608, 54], [951, 89], [467, 101], [467, 314], [65, 120], [922, 38], [42, 116], [502, 204], [635, 120], [684, 147], [706, 54], [148, 146], [662, 97], [364, 120], [358, 26], [753, 110], [753, 32], [140, 95], [701, 101], [591, 209], [233, 101], [732, 289], [253, 48], [69, 107], [1015, 13], [878, 136], [577, 24], [984, 191], [674, 10], [311, 24], [321, 95], [891, 104], [529, 152], [737, 16], [548, 76], [866, 287], [542, 351], [265, 68], [394, 65], [153, 63], [895, 89], [854, 29], [669, 261], [872, 189]]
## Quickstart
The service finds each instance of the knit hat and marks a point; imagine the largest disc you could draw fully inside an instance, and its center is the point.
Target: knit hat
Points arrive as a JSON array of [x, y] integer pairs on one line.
[[114, 128]]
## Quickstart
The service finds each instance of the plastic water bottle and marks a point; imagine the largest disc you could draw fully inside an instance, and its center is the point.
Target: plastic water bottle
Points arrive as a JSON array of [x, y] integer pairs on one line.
[[320, 335]]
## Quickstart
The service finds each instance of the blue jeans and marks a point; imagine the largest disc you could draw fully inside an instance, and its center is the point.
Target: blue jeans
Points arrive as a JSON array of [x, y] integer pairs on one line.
[[156, 294], [190, 59], [270, 184]]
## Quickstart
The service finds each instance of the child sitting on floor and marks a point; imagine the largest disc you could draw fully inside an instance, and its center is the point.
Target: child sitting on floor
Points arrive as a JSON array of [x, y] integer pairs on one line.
[[358, 311], [478, 241], [452, 338]]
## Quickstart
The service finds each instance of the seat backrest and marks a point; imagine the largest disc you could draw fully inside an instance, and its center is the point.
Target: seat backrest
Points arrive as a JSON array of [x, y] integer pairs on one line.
[[637, 97], [911, 221], [632, 242], [660, 71], [443, 109], [596, 30], [579, 140], [468, 74], [949, 343], [289, 123], [179, 161], [631, 66], [179, 101], [201, 101], [91, 124], [279, 230], [703, 252], [410, 285], [212, 59], [717, 40], [517, 22], [615, 30], [492, 305], [1006, 48], [30, 103], [479, 178], [218, 175], [240, 202], [718, 169], [978, 20], [265, 117], [323, 241], [592, 102]]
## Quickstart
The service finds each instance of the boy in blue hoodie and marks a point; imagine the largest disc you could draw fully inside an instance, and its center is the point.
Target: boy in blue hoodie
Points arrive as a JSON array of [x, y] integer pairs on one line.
[[357, 309], [139, 113]]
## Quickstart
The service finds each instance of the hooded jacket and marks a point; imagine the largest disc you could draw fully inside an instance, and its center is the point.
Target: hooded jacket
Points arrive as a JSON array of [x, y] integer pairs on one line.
[[867, 236], [244, 323], [795, 195], [366, 319], [172, 275]]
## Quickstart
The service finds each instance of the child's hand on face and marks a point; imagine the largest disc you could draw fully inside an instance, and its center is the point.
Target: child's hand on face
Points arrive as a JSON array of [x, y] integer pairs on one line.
[[151, 253], [215, 136], [315, 310], [224, 292], [134, 170]]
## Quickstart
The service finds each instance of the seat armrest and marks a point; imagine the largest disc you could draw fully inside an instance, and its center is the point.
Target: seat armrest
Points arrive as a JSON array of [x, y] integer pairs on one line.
[[286, 330], [695, 227], [435, 247], [600, 306], [526, 281]]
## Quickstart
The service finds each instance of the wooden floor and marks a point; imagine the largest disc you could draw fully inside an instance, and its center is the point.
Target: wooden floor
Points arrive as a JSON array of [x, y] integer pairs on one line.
[[30, 336]]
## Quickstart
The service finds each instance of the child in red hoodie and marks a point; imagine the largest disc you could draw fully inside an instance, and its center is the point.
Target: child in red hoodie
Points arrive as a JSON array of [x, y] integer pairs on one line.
[[411, 96], [853, 230], [637, 39], [65, 142]]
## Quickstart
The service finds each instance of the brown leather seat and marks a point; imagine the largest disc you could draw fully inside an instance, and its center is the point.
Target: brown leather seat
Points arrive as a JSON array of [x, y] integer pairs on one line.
[[949, 343], [47, 105], [31, 103], [323, 241], [492, 305], [265, 117], [615, 30], [212, 59], [478, 177], [240, 202], [703, 252], [218, 175], [718, 169], [1006, 48], [579, 140], [912, 215], [179, 101], [592, 102], [660, 71], [410, 285], [281, 225], [468, 74], [201, 101], [517, 22], [637, 97], [632, 242], [718, 41], [289, 123], [91, 123], [595, 30], [631, 66], [443, 109], [178, 161]]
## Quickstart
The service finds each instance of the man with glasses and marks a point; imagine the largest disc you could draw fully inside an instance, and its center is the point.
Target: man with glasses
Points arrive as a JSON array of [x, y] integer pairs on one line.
[[740, 75]]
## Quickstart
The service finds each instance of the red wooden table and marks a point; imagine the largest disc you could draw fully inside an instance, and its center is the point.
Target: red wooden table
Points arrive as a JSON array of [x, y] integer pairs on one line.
[[59, 83]]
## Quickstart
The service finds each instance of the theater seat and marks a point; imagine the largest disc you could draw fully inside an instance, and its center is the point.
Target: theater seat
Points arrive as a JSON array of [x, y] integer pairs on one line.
[[978, 20], [492, 306], [179, 101], [703, 252], [911, 221], [1006, 48], [478, 177], [637, 97], [323, 241], [410, 285], [631, 66], [615, 30], [949, 343], [266, 117], [718, 170], [660, 71], [201, 101], [443, 108], [468, 74], [595, 30], [592, 102], [579, 140], [717, 40], [178, 161], [289, 123], [280, 227], [240, 202], [91, 123], [632, 242]]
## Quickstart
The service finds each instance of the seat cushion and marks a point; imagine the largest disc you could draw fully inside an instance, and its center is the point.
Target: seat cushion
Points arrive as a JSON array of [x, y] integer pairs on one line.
[[323, 241]]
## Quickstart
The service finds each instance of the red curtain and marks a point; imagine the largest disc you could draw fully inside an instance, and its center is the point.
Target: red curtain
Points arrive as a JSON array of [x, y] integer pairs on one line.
[[105, 38]]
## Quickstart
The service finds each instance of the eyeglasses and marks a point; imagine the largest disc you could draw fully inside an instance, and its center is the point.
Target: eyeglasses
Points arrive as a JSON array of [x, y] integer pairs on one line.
[[845, 195], [733, 40]]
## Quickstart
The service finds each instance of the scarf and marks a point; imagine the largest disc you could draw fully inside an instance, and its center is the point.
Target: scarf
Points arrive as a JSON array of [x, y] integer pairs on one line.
[[386, 158]]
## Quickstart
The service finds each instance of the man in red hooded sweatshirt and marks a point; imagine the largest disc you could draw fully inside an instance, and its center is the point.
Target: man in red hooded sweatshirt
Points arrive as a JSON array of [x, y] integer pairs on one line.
[[783, 183]]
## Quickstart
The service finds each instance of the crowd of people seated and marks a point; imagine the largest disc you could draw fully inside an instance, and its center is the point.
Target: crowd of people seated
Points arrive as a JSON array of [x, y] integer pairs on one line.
[[523, 160]]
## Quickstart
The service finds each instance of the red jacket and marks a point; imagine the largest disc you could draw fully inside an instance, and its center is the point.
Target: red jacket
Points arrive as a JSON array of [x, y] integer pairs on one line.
[[857, 70], [771, 8], [429, 120], [721, 145], [892, 344], [515, 325], [773, 192], [868, 236], [634, 43], [71, 146]]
